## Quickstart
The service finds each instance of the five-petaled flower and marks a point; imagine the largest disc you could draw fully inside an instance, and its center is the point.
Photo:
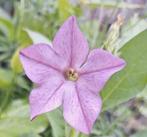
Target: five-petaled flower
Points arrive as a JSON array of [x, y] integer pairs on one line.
[[69, 74]]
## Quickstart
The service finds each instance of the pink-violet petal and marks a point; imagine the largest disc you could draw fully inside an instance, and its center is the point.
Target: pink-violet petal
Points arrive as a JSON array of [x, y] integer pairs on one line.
[[95, 81], [80, 106], [40, 62], [101, 60], [46, 97], [98, 68], [70, 43]]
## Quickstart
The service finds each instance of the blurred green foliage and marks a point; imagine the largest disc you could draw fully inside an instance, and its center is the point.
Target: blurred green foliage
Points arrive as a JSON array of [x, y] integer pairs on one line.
[[25, 22]]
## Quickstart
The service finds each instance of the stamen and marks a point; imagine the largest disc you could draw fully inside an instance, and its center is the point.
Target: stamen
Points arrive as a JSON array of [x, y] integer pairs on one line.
[[71, 74]]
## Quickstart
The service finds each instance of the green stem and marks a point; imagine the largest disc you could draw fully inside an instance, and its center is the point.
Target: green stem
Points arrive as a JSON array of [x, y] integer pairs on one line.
[[72, 133], [75, 133], [83, 135]]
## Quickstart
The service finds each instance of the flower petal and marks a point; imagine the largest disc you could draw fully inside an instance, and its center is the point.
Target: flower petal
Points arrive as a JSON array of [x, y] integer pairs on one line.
[[101, 60], [100, 66], [96, 81], [81, 107], [46, 97], [40, 62], [70, 43]]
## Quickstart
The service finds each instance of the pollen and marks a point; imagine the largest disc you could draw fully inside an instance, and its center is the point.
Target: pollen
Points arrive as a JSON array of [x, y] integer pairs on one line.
[[71, 75]]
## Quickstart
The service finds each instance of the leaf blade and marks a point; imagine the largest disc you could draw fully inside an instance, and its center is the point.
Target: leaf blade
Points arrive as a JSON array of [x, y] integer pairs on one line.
[[130, 81]]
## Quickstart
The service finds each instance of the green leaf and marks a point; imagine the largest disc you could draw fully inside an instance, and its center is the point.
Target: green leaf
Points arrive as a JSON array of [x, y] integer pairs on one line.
[[24, 41], [37, 37], [16, 122], [15, 62], [57, 123], [136, 26], [143, 107], [24, 38], [143, 93], [7, 27], [129, 82], [65, 9], [6, 78]]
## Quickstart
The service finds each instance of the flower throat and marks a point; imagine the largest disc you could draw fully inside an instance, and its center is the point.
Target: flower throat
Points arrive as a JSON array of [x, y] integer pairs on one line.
[[71, 75]]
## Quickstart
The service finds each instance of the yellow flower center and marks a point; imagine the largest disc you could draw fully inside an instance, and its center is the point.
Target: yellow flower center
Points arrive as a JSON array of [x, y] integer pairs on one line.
[[71, 74]]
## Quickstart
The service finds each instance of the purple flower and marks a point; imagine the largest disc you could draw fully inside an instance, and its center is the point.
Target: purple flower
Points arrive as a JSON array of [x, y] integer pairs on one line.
[[69, 75]]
